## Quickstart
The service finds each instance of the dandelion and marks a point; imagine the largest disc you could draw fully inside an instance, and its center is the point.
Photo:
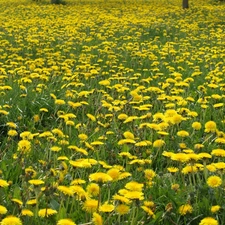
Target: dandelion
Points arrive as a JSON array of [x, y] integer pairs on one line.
[[65, 190], [134, 195], [11, 220], [122, 209], [11, 125], [114, 173], [36, 182], [218, 152], [19, 202], [43, 110], [46, 212], [97, 219], [182, 133], [172, 169], [149, 174], [24, 146], [91, 117], [106, 207], [134, 186], [26, 212], [196, 125], [214, 181], [175, 187], [60, 102], [184, 209], [55, 148], [83, 137], [215, 208], [12, 133], [31, 202], [3, 210], [128, 135], [122, 116], [208, 221], [90, 205], [148, 211], [121, 199], [65, 222], [158, 143], [93, 189], [210, 126], [100, 177], [3, 183]]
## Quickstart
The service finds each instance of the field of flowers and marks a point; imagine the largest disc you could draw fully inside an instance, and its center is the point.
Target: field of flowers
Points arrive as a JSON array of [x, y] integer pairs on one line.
[[112, 112]]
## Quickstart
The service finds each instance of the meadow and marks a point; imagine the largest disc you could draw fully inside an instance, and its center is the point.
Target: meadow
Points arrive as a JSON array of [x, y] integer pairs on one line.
[[112, 112]]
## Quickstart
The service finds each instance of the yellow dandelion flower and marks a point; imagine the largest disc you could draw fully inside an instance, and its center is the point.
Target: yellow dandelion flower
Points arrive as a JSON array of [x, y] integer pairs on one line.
[[175, 187], [134, 186], [31, 202], [134, 195], [91, 117], [128, 135], [66, 190], [77, 181], [149, 174], [211, 167], [19, 202], [122, 116], [210, 126], [11, 220], [11, 125], [218, 152], [100, 177], [3, 183], [90, 205], [176, 119], [26, 212], [214, 181], [189, 169], [24, 146], [65, 222], [184, 209], [148, 211], [55, 148], [122, 209], [36, 182], [204, 155], [158, 143], [121, 199], [218, 105], [83, 137], [208, 221], [12, 133], [196, 125], [172, 169], [114, 173], [182, 133], [3, 210], [106, 207], [46, 212], [43, 110], [97, 219], [181, 157], [93, 189], [60, 102], [215, 208]]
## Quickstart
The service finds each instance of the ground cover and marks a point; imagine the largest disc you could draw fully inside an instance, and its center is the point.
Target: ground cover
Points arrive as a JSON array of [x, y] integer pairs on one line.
[[112, 112]]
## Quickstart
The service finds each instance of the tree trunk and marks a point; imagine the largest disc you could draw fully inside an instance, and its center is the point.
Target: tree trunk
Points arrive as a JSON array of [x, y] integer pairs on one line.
[[185, 4]]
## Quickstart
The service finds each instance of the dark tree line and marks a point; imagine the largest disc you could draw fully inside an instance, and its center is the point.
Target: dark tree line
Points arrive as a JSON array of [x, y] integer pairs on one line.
[[185, 4]]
